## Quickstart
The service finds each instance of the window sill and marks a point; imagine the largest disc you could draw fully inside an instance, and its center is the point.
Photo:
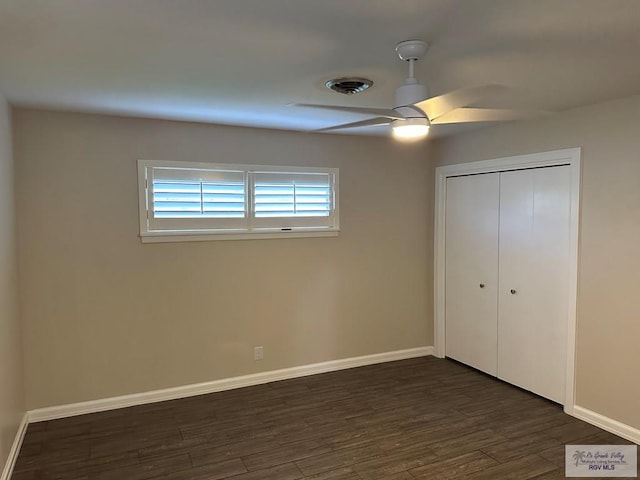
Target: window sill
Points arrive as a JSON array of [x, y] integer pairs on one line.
[[205, 237]]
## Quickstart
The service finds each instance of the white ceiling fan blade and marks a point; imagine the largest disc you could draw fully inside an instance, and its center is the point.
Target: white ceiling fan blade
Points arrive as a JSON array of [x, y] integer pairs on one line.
[[465, 115], [437, 106], [378, 112], [372, 122]]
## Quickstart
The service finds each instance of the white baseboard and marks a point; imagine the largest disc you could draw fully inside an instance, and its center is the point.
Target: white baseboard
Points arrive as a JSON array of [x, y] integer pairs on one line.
[[73, 409], [622, 430], [15, 448]]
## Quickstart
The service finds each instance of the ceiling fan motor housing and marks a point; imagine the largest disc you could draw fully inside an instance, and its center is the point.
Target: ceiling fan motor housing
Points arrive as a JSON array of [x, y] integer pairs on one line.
[[410, 93]]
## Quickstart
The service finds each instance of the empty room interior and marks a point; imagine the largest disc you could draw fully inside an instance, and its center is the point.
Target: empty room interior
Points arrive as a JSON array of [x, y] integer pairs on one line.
[[356, 239]]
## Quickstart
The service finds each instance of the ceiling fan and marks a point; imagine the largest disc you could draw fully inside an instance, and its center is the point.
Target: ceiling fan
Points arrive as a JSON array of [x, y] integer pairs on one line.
[[414, 112]]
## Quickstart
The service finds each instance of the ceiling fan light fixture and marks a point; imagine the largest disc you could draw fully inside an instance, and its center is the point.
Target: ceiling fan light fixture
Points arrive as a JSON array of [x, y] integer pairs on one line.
[[410, 129]]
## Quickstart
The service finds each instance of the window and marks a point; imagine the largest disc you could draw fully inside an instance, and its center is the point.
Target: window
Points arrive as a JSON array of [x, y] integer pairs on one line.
[[201, 201]]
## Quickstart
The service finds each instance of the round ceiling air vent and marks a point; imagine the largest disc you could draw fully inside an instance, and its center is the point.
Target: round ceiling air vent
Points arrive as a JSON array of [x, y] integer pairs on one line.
[[349, 85]]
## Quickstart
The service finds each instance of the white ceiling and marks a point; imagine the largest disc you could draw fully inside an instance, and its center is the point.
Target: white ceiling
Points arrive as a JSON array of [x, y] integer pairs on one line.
[[241, 62]]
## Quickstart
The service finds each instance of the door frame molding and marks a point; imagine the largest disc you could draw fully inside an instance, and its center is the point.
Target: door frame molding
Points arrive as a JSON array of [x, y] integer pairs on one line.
[[569, 156]]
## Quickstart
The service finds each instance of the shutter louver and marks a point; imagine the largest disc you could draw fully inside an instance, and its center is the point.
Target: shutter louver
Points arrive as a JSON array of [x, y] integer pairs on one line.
[[182, 199]]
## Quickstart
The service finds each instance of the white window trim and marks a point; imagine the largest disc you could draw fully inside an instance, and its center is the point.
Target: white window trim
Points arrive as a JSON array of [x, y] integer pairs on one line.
[[161, 236]]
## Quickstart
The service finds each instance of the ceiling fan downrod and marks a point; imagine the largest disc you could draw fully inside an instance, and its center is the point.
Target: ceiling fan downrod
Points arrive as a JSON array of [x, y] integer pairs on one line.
[[411, 78], [412, 91]]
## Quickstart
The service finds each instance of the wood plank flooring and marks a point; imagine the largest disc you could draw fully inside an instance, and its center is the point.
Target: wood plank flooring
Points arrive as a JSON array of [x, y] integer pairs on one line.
[[423, 418]]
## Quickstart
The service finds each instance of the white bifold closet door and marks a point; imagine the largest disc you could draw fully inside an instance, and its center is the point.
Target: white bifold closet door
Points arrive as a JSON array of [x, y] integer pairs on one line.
[[534, 279], [507, 275], [471, 282]]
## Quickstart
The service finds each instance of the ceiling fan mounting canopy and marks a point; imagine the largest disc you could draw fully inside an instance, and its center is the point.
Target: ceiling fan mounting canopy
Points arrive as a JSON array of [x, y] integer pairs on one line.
[[412, 49]]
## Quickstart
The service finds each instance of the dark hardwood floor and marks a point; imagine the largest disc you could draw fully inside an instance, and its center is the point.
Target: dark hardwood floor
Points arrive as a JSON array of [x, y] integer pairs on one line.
[[422, 418]]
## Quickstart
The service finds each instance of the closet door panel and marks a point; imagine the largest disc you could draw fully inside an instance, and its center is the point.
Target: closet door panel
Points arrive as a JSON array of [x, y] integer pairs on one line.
[[533, 293], [471, 265]]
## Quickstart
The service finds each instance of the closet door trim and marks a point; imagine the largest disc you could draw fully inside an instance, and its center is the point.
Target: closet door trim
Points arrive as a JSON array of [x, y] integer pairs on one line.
[[571, 157]]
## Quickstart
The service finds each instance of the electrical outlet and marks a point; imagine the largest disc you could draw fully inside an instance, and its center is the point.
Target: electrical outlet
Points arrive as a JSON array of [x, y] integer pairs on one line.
[[258, 353]]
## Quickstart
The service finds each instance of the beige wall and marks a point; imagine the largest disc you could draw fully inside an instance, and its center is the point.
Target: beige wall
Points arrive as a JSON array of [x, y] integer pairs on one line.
[[105, 315], [11, 386], [608, 328]]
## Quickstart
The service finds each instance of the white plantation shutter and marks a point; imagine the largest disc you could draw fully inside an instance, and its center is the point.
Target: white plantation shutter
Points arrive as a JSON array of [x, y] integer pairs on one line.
[[197, 199], [287, 199]]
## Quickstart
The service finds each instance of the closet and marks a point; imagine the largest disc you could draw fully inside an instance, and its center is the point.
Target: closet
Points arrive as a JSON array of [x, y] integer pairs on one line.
[[507, 249]]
